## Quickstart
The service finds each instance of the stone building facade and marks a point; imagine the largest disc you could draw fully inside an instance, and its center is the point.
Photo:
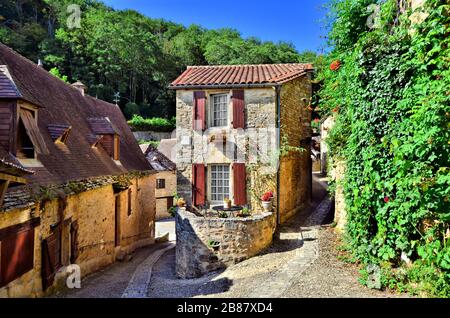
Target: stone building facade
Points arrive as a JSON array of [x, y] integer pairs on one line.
[[271, 139], [76, 191]]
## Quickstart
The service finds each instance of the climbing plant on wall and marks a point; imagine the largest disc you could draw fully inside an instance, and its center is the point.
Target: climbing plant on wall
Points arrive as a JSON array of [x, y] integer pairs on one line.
[[389, 89]]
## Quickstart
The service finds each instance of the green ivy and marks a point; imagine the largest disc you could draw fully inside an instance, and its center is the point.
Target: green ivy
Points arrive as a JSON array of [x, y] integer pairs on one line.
[[391, 101]]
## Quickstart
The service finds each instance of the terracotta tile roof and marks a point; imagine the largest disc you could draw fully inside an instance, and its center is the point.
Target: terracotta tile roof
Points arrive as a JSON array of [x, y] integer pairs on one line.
[[64, 105], [239, 75]]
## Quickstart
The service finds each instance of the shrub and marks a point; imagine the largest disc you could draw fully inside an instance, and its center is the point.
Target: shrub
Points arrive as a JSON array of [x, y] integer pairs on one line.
[[138, 123]]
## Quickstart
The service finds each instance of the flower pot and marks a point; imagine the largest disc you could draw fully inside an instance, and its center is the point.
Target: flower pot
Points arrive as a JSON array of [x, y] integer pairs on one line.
[[267, 206], [227, 204]]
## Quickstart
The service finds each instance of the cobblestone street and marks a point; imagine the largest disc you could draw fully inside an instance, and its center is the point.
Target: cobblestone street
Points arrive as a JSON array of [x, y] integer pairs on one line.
[[302, 262]]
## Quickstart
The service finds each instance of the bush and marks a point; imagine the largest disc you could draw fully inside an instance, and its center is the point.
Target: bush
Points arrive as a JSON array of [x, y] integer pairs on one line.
[[131, 109], [138, 123], [391, 102]]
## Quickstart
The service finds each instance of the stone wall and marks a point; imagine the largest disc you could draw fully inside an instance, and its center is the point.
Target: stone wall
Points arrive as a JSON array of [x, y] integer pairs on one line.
[[94, 211], [152, 135], [239, 238], [296, 167], [162, 194]]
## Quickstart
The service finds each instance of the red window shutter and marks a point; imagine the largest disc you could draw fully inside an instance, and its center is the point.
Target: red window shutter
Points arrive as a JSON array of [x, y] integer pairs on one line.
[[238, 109], [199, 113], [199, 184], [16, 255], [240, 184]]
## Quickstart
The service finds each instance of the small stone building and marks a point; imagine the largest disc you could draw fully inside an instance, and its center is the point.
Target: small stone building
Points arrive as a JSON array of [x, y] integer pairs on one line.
[[166, 181], [243, 130], [75, 187]]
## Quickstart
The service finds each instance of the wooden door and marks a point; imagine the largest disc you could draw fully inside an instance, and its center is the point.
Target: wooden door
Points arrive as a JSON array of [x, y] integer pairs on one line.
[[117, 221]]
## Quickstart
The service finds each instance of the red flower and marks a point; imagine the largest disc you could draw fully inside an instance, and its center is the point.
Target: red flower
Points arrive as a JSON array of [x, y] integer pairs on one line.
[[386, 199], [267, 196], [316, 120], [335, 65]]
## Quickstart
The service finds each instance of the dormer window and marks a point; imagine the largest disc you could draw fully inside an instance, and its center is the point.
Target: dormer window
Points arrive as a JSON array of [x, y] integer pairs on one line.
[[59, 133], [25, 147], [28, 140], [104, 129]]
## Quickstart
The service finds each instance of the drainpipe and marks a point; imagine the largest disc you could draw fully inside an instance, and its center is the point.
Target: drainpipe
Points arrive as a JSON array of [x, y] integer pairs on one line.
[[278, 124]]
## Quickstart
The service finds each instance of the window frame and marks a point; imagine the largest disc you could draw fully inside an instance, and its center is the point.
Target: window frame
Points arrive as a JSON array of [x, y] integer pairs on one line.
[[210, 184], [158, 185], [212, 112]]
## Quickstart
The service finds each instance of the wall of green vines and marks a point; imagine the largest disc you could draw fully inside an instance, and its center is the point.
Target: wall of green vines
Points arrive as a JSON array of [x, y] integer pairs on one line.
[[391, 98]]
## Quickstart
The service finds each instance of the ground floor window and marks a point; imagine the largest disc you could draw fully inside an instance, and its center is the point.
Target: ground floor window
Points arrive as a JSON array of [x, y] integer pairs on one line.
[[220, 182]]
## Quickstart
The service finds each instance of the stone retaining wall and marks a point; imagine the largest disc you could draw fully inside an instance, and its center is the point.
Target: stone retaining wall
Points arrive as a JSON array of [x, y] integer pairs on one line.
[[239, 238]]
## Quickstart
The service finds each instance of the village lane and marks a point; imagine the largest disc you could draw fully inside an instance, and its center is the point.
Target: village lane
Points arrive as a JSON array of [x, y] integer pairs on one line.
[[303, 261]]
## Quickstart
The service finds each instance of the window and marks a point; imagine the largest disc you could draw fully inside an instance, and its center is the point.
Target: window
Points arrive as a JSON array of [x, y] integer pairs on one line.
[[219, 110], [220, 182], [25, 148], [16, 252], [160, 183]]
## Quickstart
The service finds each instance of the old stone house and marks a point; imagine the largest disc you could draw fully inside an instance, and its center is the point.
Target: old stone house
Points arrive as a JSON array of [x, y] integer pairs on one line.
[[166, 181], [243, 130], [75, 187]]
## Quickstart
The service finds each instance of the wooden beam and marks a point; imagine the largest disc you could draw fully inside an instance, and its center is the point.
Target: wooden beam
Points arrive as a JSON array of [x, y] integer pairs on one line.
[[3, 187], [11, 178]]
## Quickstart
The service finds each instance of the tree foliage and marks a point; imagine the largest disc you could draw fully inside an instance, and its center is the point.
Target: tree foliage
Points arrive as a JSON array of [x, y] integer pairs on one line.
[[391, 101], [126, 52]]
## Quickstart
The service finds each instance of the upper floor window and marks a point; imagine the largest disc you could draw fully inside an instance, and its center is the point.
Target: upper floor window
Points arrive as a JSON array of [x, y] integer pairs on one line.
[[25, 147], [219, 110], [160, 183]]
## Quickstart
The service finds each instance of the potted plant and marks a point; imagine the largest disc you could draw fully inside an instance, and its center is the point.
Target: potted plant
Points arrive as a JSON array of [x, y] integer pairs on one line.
[[227, 203], [244, 213], [266, 200], [181, 203]]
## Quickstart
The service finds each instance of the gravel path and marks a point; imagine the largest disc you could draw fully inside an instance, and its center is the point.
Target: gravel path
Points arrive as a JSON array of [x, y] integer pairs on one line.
[[290, 268]]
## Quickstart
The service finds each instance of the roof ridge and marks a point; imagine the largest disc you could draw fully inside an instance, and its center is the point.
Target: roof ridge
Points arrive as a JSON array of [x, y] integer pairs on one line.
[[242, 65]]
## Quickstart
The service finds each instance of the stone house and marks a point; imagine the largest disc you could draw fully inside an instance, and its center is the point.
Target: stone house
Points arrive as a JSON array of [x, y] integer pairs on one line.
[[75, 187], [243, 130], [166, 181]]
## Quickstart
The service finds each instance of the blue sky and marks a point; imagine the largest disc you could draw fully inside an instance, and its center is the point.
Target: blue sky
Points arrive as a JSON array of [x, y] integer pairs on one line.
[[296, 21]]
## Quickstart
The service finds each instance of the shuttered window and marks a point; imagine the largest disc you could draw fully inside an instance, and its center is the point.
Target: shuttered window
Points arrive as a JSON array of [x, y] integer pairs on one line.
[[51, 257], [199, 184], [129, 202], [16, 253], [220, 183], [219, 110], [238, 109], [199, 112], [27, 118], [240, 184]]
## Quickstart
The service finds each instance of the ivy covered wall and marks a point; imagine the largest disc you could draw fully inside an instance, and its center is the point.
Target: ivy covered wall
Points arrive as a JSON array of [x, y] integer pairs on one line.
[[389, 89]]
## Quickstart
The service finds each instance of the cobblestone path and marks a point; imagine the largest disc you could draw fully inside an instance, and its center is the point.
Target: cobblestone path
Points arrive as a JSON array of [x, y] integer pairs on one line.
[[302, 262]]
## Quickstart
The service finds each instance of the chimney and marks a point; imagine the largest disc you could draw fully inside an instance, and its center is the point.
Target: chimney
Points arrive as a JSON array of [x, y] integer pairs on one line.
[[80, 87], [40, 64]]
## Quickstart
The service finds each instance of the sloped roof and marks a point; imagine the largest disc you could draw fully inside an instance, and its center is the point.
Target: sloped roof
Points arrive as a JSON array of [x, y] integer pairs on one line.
[[10, 165], [158, 161], [239, 75], [65, 105], [8, 88]]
